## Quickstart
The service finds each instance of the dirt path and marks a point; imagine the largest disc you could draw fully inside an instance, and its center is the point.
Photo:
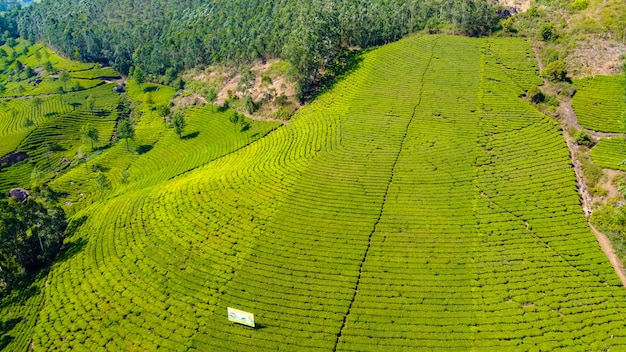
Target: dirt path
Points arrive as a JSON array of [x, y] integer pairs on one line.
[[605, 244], [586, 199], [568, 118]]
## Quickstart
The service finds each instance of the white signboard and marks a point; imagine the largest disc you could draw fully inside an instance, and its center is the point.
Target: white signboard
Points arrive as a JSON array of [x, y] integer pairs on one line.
[[241, 317]]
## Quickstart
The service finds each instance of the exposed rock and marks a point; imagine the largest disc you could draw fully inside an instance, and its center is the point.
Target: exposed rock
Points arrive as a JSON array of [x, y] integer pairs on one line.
[[19, 194]]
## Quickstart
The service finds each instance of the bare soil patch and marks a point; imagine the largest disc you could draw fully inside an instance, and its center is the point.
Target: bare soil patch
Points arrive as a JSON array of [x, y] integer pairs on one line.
[[596, 56]]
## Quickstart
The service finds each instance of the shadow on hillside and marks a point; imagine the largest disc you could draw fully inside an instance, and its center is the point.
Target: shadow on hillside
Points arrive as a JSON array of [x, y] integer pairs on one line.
[[102, 113], [142, 149], [191, 135], [74, 225], [5, 328], [340, 67], [150, 89], [70, 249]]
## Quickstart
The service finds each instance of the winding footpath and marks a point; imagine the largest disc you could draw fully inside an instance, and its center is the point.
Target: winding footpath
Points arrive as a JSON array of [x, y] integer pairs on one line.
[[568, 118]]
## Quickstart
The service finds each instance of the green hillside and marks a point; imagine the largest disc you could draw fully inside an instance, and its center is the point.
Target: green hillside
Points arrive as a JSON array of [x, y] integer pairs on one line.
[[420, 204]]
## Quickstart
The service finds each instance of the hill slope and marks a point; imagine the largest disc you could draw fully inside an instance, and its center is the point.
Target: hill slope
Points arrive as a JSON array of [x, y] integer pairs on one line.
[[418, 204]]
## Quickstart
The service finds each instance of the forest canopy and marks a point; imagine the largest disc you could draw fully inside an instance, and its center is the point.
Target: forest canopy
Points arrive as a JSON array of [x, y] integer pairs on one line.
[[31, 235], [165, 37]]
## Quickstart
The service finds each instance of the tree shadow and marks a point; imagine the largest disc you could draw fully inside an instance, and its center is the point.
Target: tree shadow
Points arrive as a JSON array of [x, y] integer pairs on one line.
[[102, 113], [74, 225], [346, 62], [191, 135], [24, 288], [98, 167], [245, 127], [75, 104], [142, 149], [70, 249], [150, 89], [5, 328]]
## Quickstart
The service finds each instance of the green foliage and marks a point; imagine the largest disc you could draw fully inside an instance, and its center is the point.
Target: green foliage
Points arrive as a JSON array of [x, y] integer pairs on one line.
[[579, 5], [555, 71], [547, 32], [250, 105], [582, 138], [125, 177], [535, 95], [31, 235], [179, 123], [102, 181], [138, 75], [90, 133], [91, 102], [592, 172], [611, 220], [181, 35], [126, 131]]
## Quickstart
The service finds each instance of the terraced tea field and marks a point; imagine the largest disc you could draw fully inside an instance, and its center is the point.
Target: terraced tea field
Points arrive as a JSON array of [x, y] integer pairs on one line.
[[418, 205], [39, 109], [599, 102]]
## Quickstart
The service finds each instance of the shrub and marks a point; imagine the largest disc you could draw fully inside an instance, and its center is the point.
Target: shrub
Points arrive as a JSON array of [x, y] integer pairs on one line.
[[555, 71], [579, 5], [547, 32], [535, 95], [582, 138]]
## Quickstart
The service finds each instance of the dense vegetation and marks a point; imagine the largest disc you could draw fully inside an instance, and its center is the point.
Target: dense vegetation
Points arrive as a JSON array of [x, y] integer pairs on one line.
[[164, 37], [31, 235]]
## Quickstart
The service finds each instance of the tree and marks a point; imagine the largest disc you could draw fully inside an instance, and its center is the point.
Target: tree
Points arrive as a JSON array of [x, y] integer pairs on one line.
[[20, 89], [48, 67], [250, 105], [28, 123], [555, 71], [211, 96], [37, 102], [179, 123], [11, 42], [138, 75], [60, 92], [52, 148], [36, 176], [102, 181], [81, 156], [31, 235], [91, 102], [29, 72], [234, 118], [125, 177], [547, 32], [126, 131], [64, 77], [90, 133]]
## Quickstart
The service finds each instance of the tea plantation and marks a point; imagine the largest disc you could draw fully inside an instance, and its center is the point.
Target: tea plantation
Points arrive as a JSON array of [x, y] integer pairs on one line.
[[419, 204], [599, 102]]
